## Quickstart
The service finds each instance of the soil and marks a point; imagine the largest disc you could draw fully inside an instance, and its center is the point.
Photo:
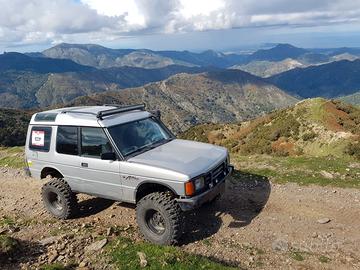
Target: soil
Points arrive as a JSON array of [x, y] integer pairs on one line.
[[256, 224]]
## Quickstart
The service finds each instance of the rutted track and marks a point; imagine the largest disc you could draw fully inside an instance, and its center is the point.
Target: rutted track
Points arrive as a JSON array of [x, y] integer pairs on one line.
[[256, 225]]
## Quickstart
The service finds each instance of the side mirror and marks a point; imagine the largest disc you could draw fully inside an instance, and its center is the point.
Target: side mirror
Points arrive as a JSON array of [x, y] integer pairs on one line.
[[157, 114], [108, 156]]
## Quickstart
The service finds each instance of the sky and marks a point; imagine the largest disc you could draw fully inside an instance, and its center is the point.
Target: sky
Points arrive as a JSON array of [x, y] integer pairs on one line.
[[223, 25]]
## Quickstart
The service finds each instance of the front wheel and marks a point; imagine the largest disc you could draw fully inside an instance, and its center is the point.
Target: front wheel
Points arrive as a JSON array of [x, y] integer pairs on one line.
[[160, 218]]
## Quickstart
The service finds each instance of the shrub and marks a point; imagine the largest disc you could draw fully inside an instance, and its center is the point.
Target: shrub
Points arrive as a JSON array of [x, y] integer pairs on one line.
[[353, 149], [13, 127], [308, 136], [7, 244]]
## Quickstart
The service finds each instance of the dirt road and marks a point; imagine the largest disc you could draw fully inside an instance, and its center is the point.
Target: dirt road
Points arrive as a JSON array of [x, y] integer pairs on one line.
[[257, 224]]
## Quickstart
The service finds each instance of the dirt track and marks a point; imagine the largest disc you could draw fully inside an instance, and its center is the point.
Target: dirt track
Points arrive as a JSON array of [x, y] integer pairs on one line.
[[255, 225]]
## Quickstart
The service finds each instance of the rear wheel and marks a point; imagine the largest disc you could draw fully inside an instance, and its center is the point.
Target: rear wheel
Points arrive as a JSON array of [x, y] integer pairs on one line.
[[58, 198], [160, 218]]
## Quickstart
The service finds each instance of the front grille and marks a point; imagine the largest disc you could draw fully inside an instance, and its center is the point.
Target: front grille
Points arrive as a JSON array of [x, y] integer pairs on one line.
[[216, 175]]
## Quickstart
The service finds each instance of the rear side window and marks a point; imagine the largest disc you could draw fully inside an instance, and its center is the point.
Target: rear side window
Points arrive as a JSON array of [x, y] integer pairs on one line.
[[67, 140], [40, 138]]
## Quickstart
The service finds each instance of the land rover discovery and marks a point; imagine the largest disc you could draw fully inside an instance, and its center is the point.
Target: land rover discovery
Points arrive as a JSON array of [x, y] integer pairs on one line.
[[123, 153]]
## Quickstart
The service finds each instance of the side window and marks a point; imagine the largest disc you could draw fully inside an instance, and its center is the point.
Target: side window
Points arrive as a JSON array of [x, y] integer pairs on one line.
[[40, 139], [94, 142], [67, 140]]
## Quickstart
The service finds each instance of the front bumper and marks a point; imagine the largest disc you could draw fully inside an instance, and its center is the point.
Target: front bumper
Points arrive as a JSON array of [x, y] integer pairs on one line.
[[187, 204]]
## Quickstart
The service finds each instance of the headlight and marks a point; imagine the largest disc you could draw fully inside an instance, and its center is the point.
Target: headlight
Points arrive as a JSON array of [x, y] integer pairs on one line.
[[193, 186], [199, 183]]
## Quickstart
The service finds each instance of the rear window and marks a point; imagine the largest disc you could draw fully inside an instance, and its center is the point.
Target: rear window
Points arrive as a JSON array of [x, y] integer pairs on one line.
[[67, 140], [40, 138]]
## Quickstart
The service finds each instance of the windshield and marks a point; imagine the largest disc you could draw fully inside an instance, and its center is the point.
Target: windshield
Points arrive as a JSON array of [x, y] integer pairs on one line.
[[138, 136]]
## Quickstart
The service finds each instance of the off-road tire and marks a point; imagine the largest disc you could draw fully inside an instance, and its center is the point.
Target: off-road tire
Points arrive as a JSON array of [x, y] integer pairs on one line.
[[173, 220], [58, 198]]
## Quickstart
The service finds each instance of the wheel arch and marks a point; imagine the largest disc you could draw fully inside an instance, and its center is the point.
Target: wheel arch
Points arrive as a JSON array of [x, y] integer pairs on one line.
[[148, 187], [50, 171]]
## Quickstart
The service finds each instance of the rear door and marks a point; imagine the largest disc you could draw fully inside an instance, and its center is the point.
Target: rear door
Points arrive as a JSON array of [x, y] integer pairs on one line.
[[99, 177]]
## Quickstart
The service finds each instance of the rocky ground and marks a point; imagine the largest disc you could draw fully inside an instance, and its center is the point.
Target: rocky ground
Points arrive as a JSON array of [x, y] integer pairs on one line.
[[257, 224]]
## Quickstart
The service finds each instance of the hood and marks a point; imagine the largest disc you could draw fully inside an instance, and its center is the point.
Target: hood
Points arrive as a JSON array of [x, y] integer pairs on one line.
[[186, 157]]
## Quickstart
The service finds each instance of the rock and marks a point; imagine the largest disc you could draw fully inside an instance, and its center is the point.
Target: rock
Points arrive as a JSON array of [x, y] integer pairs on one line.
[[327, 175], [109, 231], [49, 240], [52, 256], [61, 257], [13, 229], [142, 257], [354, 165], [349, 259], [96, 245], [323, 220], [82, 264], [280, 245]]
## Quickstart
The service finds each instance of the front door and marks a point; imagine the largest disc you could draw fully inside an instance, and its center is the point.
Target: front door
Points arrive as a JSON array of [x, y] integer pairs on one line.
[[99, 177]]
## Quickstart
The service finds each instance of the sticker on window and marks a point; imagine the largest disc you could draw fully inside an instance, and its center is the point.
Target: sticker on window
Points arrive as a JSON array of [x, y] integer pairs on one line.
[[38, 138]]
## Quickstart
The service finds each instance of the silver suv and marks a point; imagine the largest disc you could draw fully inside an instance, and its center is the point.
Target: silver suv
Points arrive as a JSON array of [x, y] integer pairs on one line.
[[123, 153]]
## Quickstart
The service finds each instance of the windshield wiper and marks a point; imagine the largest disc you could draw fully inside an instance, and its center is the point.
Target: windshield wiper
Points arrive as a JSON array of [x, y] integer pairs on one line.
[[150, 146], [140, 149]]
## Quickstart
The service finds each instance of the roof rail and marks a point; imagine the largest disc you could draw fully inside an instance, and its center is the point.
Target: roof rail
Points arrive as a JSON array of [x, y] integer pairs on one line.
[[119, 109], [70, 111]]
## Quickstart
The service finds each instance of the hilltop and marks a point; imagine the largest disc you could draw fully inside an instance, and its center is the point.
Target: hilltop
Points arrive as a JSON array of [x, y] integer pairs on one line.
[[190, 99], [313, 127], [266, 69], [278, 53]]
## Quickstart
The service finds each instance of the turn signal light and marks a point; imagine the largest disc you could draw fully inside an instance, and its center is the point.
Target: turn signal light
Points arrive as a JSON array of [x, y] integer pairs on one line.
[[189, 189]]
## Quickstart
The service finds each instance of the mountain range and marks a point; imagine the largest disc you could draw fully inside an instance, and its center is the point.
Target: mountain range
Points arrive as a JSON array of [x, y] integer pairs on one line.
[[28, 82], [102, 57], [190, 88], [67, 71], [190, 99]]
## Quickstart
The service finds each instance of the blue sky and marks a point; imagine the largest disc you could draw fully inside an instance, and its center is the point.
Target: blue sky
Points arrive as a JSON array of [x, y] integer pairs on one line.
[[225, 25]]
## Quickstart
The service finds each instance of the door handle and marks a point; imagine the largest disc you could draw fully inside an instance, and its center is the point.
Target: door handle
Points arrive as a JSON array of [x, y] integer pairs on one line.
[[83, 164]]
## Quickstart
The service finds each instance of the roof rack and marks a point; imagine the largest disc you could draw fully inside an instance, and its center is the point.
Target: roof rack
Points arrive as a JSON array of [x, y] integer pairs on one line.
[[119, 109]]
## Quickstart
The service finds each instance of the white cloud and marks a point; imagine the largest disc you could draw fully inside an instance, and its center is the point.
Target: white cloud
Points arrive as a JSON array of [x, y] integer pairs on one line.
[[200, 15], [41, 21]]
